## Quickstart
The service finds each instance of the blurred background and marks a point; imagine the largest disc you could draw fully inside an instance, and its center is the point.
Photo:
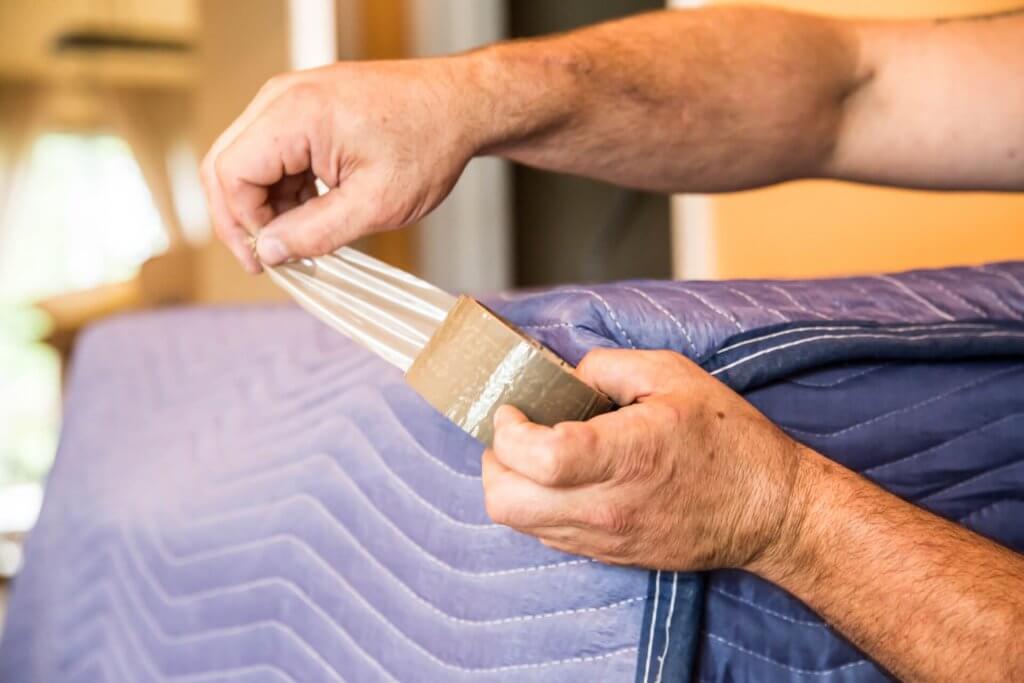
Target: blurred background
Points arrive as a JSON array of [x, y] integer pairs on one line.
[[106, 107]]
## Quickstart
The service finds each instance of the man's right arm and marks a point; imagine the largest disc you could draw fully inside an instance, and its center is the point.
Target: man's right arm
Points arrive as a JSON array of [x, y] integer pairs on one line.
[[706, 100], [735, 97]]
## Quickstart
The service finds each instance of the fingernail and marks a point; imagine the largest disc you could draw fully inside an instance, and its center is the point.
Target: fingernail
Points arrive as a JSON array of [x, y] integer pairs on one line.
[[271, 250]]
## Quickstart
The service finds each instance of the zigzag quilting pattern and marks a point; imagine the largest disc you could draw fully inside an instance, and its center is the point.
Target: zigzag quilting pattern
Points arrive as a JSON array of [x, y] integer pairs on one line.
[[240, 494]]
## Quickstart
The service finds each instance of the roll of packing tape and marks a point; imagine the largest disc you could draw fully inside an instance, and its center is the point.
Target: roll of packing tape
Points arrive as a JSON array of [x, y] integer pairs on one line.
[[476, 361]]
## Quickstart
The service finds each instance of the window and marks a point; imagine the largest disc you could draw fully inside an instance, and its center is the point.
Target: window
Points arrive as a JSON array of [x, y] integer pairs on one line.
[[79, 215]]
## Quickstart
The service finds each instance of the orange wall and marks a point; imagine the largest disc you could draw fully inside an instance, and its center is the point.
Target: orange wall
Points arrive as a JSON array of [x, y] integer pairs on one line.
[[815, 228]]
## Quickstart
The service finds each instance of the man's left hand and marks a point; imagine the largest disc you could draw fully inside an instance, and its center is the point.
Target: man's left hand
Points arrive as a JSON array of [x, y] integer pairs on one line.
[[687, 475]]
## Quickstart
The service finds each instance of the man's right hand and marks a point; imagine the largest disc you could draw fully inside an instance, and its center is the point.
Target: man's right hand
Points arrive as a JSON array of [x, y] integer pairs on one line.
[[387, 138]]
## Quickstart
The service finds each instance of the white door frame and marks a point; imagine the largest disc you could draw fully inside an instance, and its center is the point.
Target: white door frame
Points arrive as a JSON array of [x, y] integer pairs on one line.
[[465, 244], [693, 234]]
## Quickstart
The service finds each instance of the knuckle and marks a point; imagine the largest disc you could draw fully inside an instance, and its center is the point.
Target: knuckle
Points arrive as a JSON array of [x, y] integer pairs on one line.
[[222, 169], [621, 546], [672, 366], [550, 464], [581, 436], [275, 83], [503, 440], [206, 168], [497, 508], [310, 94], [593, 359], [221, 231], [614, 519], [664, 415]]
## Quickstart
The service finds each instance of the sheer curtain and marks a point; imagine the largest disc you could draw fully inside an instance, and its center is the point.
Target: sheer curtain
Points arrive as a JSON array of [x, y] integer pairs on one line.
[[86, 198]]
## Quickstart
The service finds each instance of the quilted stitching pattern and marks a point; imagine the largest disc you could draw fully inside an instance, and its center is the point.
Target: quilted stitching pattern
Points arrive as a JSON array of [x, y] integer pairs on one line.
[[948, 436], [282, 523], [294, 513]]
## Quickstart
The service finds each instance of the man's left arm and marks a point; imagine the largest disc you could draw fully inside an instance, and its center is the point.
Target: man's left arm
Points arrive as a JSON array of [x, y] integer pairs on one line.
[[689, 476]]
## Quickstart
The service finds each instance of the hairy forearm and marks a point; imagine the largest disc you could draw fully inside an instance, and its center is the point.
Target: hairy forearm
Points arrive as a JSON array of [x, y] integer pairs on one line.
[[924, 597], [728, 98], [706, 100]]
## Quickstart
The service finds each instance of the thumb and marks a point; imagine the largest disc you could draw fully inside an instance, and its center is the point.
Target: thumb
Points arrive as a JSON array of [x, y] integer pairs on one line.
[[317, 227], [627, 375]]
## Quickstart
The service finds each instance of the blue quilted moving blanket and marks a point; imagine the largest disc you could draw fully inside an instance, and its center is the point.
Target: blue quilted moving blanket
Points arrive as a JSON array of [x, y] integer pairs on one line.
[[243, 495]]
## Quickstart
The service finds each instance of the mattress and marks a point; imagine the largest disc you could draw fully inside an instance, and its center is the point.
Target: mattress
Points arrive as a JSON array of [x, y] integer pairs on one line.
[[242, 494]]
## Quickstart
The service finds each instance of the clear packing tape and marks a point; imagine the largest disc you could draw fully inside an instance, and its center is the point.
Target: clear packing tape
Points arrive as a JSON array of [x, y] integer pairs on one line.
[[387, 310], [461, 357]]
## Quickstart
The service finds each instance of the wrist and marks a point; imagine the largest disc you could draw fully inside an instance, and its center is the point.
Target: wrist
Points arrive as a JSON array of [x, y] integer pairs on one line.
[[516, 92], [794, 550]]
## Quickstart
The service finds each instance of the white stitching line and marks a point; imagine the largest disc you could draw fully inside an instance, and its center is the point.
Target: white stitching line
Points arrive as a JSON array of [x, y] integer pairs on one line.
[[761, 608], [796, 303], [711, 306], [915, 406], [277, 469], [119, 573], [999, 299], [995, 294], [988, 268], [842, 380], [558, 662], [971, 479], [757, 304], [939, 446], [84, 665], [169, 600], [136, 434], [986, 508], [125, 635], [419, 550], [168, 556], [205, 636], [668, 628], [852, 326], [914, 295], [388, 412], [423, 451], [154, 627], [807, 672], [842, 337], [77, 665], [654, 617], [607, 307], [80, 664], [933, 281], [872, 305], [549, 326], [671, 317]]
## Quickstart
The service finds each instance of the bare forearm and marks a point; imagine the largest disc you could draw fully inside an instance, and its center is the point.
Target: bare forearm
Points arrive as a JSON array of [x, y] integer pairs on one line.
[[707, 100], [924, 597], [728, 98]]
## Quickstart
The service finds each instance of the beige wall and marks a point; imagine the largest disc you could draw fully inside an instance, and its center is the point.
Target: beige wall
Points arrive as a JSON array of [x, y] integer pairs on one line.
[[818, 228], [242, 43]]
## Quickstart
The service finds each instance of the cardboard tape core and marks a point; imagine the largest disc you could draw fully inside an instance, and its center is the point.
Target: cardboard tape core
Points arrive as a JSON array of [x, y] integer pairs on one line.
[[476, 361]]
